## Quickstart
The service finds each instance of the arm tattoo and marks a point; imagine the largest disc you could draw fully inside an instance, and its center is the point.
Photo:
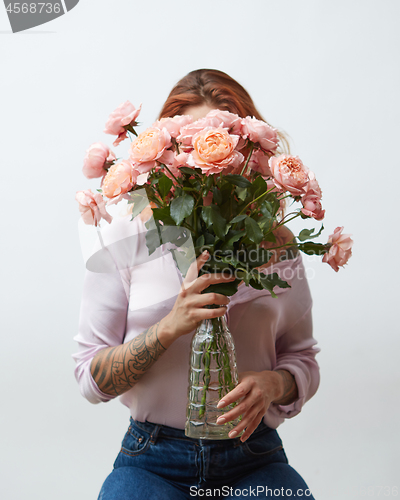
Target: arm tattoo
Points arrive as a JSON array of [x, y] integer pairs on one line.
[[290, 392], [116, 369]]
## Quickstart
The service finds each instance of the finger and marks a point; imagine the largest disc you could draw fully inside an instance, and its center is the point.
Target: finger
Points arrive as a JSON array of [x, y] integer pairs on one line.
[[205, 313], [252, 427], [208, 279], [247, 403], [194, 268], [246, 422], [238, 392], [204, 299], [235, 413]]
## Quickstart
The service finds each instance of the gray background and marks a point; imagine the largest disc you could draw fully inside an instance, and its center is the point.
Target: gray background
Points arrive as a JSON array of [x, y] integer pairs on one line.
[[327, 73]]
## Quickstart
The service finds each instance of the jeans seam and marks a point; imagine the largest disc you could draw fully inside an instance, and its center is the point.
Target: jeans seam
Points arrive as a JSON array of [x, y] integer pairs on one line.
[[263, 454], [135, 453]]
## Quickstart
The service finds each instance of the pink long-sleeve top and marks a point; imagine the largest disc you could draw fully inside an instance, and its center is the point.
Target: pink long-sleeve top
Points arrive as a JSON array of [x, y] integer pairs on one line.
[[121, 301]]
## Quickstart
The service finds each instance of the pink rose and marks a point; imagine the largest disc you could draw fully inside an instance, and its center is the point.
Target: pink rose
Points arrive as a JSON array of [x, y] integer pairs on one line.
[[312, 199], [125, 115], [174, 124], [225, 119], [312, 207], [289, 173], [173, 161], [260, 133], [259, 163], [185, 138], [340, 250], [215, 119], [92, 207], [313, 186], [96, 159], [119, 180], [214, 151], [148, 147]]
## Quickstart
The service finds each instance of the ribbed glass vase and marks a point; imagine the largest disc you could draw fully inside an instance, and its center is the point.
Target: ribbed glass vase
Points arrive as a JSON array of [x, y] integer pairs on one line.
[[212, 374]]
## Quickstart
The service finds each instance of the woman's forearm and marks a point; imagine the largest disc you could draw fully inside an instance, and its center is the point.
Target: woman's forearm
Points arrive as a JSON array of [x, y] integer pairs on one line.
[[289, 392], [116, 369]]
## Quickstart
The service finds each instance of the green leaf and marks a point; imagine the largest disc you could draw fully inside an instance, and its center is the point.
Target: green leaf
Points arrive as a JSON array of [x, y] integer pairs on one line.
[[256, 257], [253, 231], [218, 222], [269, 237], [164, 186], [164, 215], [238, 218], [270, 206], [181, 207], [311, 248], [258, 186], [209, 183], [227, 289], [231, 238], [307, 234], [140, 202], [266, 209], [182, 260], [265, 222], [195, 183], [189, 171], [238, 180], [153, 240], [255, 284], [269, 281], [241, 193], [200, 241], [244, 275], [206, 215], [177, 235], [215, 265], [210, 238], [230, 260], [217, 195], [226, 191]]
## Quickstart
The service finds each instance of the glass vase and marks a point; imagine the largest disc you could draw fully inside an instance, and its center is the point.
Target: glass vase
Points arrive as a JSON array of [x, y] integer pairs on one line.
[[212, 374]]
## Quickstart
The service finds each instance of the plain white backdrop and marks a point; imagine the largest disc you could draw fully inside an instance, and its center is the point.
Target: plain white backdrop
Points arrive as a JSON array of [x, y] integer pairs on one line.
[[325, 72]]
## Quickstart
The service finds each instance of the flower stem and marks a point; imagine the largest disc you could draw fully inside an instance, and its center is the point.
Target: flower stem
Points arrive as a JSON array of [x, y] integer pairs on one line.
[[248, 158], [172, 175]]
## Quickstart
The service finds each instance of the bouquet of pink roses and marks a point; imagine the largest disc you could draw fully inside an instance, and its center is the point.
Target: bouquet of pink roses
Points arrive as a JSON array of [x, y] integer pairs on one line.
[[221, 180]]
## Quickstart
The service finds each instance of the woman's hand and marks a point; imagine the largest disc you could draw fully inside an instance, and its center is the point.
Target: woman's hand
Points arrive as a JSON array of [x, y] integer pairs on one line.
[[188, 310], [257, 390]]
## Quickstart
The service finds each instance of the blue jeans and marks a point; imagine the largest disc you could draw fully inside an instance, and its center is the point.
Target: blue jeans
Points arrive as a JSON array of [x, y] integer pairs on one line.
[[157, 462]]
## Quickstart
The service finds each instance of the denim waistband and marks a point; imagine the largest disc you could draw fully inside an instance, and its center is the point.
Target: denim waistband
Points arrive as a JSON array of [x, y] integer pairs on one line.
[[159, 430]]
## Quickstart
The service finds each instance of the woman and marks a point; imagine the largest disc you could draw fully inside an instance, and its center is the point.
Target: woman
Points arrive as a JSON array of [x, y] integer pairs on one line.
[[138, 348]]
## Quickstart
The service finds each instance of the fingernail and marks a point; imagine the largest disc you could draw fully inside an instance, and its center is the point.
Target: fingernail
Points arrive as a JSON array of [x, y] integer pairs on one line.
[[221, 404], [233, 434], [205, 253], [221, 420]]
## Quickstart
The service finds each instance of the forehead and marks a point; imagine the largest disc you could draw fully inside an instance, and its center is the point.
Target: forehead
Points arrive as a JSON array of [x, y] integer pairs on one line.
[[198, 111]]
